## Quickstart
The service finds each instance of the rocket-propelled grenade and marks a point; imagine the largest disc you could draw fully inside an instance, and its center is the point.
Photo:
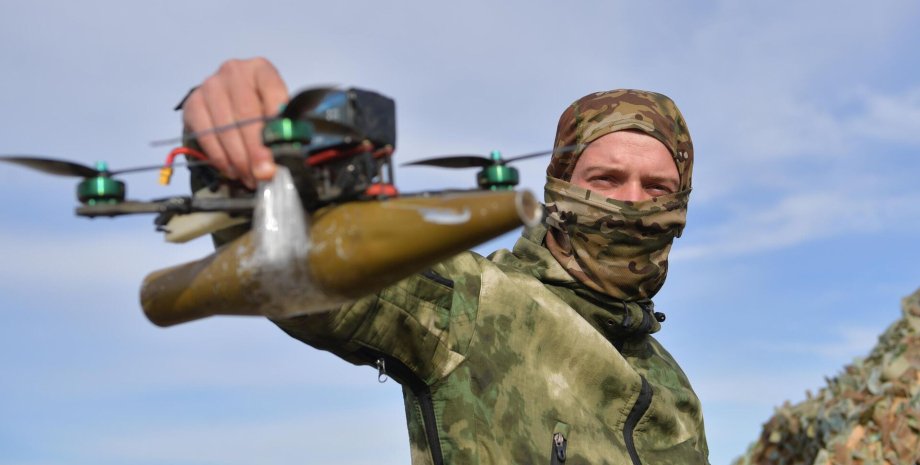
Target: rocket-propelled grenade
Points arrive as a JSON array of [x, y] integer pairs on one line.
[[292, 263]]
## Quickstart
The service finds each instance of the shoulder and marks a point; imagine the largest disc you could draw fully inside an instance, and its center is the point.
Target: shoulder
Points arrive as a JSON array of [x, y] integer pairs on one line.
[[669, 372], [468, 272]]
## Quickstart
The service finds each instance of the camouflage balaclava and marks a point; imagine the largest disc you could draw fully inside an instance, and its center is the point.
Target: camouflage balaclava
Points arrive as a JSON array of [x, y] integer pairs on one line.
[[619, 248]]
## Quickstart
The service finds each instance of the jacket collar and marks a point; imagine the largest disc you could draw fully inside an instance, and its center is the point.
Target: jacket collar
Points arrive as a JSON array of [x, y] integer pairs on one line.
[[614, 318]]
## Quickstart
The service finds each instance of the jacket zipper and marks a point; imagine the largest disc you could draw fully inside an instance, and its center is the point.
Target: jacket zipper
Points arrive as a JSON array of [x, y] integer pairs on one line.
[[641, 406], [559, 443], [426, 404], [389, 366]]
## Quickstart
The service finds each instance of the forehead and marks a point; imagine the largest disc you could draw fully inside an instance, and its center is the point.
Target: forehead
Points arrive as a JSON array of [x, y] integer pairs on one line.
[[627, 150], [598, 114]]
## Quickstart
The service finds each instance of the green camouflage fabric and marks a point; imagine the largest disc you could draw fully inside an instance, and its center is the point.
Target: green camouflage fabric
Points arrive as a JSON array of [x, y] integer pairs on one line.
[[598, 114], [515, 360], [615, 247], [869, 414]]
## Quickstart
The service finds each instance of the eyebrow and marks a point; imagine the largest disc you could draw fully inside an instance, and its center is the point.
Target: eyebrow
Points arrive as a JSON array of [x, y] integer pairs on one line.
[[667, 181], [606, 169]]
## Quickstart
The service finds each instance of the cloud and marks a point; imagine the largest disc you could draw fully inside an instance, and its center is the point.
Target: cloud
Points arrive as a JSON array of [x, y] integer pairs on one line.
[[369, 435], [752, 390], [82, 256], [799, 218], [806, 361], [762, 88], [889, 117], [846, 343]]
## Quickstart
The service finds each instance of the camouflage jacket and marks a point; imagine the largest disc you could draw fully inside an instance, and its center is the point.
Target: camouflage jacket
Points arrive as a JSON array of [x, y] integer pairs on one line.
[[508, 360]]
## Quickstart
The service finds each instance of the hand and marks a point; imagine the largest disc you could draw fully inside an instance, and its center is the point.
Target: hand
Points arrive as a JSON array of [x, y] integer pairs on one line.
[[240, 89]]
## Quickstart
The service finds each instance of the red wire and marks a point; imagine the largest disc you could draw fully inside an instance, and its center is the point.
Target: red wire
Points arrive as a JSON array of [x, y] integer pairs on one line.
[[188, 152], [319, 158], [384, 152], [313, 160], [167, 170]]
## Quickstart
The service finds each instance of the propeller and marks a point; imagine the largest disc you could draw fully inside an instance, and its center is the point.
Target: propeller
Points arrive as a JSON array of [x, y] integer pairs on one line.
[[494, 174], [479, 161], [98, 187], [74, 169], [52, 166], [305, 101]]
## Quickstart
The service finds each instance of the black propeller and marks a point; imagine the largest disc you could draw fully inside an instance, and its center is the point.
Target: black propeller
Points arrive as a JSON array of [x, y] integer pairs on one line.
[[305, 101], [73, 169], [454, 161], [51, 166], [479, 161]]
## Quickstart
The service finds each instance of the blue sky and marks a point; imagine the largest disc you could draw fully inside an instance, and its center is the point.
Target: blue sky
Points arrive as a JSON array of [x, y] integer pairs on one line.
[[801, 237]]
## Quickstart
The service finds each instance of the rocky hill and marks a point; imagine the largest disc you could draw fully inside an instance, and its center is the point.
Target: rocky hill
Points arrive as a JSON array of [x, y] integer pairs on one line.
[[868, 414]]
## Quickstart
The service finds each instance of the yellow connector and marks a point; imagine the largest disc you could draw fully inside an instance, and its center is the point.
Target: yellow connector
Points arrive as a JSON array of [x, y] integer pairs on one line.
[[165, 175]]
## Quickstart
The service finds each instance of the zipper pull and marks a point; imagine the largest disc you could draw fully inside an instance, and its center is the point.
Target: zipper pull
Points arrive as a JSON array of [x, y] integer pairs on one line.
[[559, 444], [382, 370]]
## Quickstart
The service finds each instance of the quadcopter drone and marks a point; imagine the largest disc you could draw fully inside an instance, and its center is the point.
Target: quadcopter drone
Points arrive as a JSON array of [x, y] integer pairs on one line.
[[337, 143]]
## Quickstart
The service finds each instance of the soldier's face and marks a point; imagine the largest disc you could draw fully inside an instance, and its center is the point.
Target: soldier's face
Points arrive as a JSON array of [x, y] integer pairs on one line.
[[627, 165]]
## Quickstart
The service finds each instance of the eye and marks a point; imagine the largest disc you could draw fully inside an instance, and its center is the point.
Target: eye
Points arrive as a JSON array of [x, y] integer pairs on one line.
[[604, 179], [659, 189]]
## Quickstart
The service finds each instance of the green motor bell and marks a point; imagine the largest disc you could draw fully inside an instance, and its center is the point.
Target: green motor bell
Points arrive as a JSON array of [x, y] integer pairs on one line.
[[499, 176], [100, 189], [286, 131]]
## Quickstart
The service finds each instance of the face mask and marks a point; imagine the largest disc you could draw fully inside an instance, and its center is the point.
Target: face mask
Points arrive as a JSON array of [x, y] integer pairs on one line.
[[618, 248]]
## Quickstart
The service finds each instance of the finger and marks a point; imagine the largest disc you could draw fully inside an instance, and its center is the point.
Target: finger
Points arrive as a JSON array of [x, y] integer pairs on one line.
[[271, 87], [261, 160], [273, 93], [220, 108], [245, 95], [196, 118]]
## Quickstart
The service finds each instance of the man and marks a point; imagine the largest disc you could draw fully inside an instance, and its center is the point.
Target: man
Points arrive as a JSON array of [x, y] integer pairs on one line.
[[542, 354]]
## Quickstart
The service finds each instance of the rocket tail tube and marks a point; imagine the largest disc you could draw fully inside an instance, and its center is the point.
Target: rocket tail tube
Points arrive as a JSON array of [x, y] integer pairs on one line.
[[345, 252]]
